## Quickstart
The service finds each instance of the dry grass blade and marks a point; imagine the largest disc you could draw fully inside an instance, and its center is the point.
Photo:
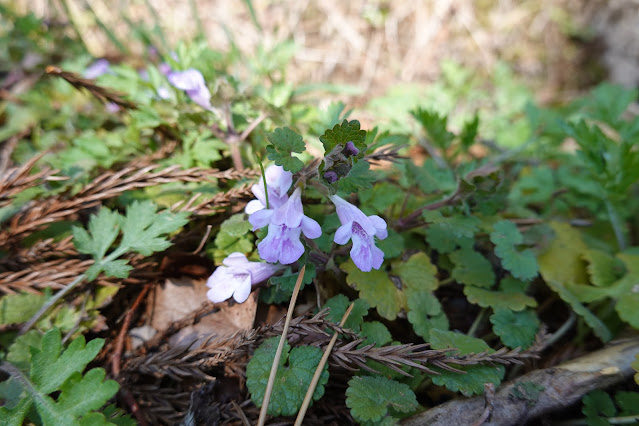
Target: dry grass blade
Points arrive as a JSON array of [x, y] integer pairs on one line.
[[111, 184], [215, 203], [18, 179], [280, 347], [320, 367], [103, 94]]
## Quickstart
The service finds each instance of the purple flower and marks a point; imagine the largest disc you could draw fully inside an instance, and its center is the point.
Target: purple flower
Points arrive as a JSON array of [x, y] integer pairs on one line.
[[192, 82], [330, 176], [285, 224], [350, 149], [278, 181], [96, 69], [361, 229], [235, 277]]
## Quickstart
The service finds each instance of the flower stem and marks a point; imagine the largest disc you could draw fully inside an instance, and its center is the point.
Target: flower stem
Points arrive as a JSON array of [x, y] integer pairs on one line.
[[259, 160]]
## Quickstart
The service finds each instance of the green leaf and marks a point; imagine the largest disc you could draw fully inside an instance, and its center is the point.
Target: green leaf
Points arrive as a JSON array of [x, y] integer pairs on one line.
[[343, 133], [359, 177], [144, 231], [80, 395], [599, 328], [514, 301], [562, 261], [515, 329], [471, 268], [603, 268], [369, 398], [598, 403], [393, 245], [285, 142], [50, 367], [291, 381], [469, 132], [339, 304], [425, 313], [19, 307], [233, 236], [281, 288], [417, 273], [419, 280], [521, 264], [435, 126], [376, 332], [439, 238], [375, 287], [19, 353], [103, 230], [628, 402], [476, 375], [627, 308]]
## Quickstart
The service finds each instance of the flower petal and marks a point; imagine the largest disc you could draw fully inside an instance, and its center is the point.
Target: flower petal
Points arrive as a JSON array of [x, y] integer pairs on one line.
[[378, 256], [243, 287], [291, 212], [235, 259], [190, 79], [291, 248], [261, 271], [361, 254], [221, 285], [311, 228], [343, 233], [253, 206], [269, 247], [278, 179], [350, 213], [380, 226], [260, 218]]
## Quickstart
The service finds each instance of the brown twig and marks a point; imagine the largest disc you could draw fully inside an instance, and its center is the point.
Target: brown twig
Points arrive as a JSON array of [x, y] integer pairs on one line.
[[111, 184], [116, 360], [103, 94]]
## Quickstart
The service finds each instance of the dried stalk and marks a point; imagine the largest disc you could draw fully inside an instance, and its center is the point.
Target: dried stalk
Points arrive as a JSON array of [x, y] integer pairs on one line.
[[103, 94], [18, 179], [111, 184], [182, 362]]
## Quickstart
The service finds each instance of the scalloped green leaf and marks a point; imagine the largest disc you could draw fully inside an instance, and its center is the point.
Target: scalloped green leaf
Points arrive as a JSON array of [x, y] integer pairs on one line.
[[417, 273], [285, 142], [498, 299], [521, 264], [359, 177], [439, 237], [375, 332], [515, 329], [472, 268], [294, 374], [471, 383], [375, 287], [338, 305], [562, 261], [603, 268], [344, 132], [627, 308], [369, 398]]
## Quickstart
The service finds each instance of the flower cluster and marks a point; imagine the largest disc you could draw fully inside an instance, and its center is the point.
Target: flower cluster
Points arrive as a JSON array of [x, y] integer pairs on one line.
[[284, 217]]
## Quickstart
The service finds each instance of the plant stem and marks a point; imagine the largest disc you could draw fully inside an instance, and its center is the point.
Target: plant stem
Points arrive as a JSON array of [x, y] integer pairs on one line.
[[617, 225], [478, 320], [43, 310]]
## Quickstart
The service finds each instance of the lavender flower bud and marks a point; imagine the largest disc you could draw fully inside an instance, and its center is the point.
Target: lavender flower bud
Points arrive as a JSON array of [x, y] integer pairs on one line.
[[350, 149], [330, 176]]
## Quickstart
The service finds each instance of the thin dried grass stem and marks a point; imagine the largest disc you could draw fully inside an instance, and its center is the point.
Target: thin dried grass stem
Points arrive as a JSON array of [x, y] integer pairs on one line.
[[318, 371], [280, 347]]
